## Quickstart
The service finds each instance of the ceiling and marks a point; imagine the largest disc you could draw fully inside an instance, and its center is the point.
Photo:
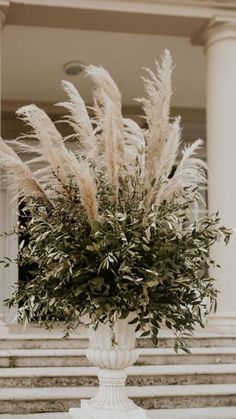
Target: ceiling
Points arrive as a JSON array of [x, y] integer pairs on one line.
[[33, 58]]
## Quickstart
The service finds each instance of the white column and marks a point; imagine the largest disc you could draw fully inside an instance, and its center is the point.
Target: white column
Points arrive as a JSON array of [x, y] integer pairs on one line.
[[8, 246], [220, 42], [11, 250], [3, 328]]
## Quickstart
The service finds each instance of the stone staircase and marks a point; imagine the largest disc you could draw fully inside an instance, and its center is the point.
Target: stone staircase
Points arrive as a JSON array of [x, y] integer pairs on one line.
[[42, 376]]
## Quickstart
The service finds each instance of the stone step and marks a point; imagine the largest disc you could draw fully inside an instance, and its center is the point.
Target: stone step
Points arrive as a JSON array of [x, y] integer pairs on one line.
[[147, 356], [56, 341], [167, 356], [31, 341], [197, 413], [60, 399], [137, 376]]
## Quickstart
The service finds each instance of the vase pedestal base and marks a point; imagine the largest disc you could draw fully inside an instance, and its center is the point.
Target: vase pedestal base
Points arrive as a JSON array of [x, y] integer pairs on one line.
[[78, 413], [112, 350], [89, 412]]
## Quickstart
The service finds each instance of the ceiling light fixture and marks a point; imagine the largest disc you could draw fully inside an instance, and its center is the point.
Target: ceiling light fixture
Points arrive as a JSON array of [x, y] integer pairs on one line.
[[73, 68]]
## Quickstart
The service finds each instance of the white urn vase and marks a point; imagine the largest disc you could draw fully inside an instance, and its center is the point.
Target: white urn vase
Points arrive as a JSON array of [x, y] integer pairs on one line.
[[112, 350]]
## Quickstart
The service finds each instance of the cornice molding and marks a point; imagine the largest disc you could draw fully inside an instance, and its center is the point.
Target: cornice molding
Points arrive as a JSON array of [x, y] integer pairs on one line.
[[222, 4], [161, 17], [125, 4]]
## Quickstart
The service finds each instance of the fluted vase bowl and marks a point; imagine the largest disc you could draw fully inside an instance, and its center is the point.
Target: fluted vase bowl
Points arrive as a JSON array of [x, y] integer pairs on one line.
[[112, 350]]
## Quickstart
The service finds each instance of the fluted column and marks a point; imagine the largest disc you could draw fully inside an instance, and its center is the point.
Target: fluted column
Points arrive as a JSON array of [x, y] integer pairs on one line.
[[220, 46]]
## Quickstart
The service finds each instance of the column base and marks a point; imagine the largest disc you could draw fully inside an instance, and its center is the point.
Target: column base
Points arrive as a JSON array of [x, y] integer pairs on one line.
[[222, 322], [89, 412]]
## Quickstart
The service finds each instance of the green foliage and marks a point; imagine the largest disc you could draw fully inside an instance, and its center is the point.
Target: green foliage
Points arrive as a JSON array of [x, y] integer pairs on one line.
[[151, 263]]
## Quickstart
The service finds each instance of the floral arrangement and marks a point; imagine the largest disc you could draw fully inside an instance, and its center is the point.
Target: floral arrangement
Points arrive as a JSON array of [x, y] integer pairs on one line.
[[107, 225]]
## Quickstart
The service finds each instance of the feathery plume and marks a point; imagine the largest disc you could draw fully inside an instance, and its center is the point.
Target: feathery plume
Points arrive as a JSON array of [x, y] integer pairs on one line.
[[63, 162], [157, 108], [167, 160], [44, 174], [105, 87], [134, 145], [110, 141], [51, 148], [190, 173], [86, 182], [78, 119], [19, 176], [112, 144], [170, 149], [104, 83], [191, 170]]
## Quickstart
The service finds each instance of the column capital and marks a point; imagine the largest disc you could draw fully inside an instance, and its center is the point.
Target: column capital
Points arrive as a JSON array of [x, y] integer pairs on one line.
[[219, 28]]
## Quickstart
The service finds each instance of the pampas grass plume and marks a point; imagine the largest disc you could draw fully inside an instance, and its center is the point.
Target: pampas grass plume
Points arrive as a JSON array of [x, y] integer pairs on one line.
[[109, 144], [19, 176]]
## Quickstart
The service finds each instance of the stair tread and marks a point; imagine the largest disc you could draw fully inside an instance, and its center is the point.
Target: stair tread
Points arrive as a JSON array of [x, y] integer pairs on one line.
[[59, 335], [141, 351], [145, 370], [58, 393], [195, 413]]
